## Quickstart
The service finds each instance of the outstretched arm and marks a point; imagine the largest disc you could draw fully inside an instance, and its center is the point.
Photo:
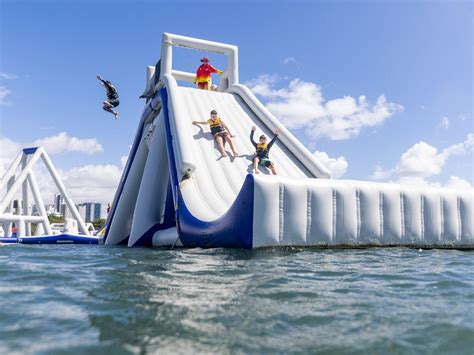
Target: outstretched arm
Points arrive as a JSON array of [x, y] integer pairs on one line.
[[101, 81], [199, 122], [214, 70], [277, 132], [251, 136]]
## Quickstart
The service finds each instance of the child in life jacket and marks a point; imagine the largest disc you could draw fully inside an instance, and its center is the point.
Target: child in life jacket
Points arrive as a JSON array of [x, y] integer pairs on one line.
[[203, 74], [220, 131], [262, 148]]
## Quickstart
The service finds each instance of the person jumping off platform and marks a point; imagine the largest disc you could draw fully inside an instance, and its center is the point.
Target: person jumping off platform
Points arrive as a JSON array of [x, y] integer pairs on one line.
[[203, 74], [112, 96]]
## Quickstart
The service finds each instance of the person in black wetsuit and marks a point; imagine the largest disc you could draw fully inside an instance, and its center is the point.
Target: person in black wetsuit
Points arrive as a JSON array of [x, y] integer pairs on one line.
[[262, 148], [112, 96]]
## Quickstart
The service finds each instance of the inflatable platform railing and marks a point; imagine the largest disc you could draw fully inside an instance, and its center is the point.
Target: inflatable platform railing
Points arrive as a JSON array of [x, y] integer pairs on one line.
[[177, 191]]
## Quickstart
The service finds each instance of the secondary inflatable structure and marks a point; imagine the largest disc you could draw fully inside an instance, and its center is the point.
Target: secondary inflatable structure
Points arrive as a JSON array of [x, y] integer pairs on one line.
[[177, 191], [18, 222]]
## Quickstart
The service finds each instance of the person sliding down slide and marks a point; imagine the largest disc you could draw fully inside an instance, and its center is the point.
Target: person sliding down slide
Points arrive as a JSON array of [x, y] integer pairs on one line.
[[262, 150], [112, 96], [221, 133]]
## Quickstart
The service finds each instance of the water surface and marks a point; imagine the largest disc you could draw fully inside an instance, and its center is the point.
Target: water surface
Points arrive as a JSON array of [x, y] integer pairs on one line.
[[96, 299]]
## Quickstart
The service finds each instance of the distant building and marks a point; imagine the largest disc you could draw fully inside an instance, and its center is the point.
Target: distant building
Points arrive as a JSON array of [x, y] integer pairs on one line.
[[92, 211], [97, 211], [58, 202]]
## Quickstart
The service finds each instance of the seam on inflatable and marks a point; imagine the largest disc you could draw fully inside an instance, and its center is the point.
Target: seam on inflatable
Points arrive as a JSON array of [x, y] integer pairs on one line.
[[358, 216], [334, 215], [422, 211], [402, 217], [308, 215], [460, 234], [381, 215], [280, 213], [441, 210]]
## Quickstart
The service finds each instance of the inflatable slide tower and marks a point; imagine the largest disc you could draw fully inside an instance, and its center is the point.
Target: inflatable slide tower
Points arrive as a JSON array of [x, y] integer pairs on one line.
[[176, 190]]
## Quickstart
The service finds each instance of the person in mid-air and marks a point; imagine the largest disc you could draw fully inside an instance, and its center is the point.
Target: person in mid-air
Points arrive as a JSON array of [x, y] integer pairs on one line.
[[112, 96], [221, 133], [203, 74], [262, 148]]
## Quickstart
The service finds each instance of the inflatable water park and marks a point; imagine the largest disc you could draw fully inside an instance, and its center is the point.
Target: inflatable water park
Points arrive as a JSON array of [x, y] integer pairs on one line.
[[16, 222], [179, 188]]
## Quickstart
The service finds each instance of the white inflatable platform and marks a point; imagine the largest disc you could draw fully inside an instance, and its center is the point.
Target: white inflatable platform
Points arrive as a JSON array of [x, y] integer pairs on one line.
[[177, 191]]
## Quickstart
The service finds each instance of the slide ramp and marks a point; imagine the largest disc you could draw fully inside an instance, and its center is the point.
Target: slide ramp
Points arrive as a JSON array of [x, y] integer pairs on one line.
[[216, 181]]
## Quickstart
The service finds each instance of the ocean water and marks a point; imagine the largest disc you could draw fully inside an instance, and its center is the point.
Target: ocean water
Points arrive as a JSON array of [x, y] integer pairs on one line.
[[96, 300]]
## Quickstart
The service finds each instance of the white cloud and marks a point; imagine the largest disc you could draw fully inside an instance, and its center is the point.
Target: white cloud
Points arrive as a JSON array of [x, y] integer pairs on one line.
[[444, 122], [301, 105], [84, 184], [4, 92], [8, 151], [462, 117], [336, 166], [8, 76], [423, 161], [456, 182], [89, 183], [92, 182], [288, 60], [64, 143]]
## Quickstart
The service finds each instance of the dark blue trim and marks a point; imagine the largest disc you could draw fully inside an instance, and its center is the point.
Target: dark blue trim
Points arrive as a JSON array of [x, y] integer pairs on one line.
[[53, 239], [149, 108], [232, 230], [30, 150], [8, 240], [169, 146]]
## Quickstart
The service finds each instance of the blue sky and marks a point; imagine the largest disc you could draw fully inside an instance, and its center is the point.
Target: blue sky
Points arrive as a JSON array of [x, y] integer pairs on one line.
[[417, 54]]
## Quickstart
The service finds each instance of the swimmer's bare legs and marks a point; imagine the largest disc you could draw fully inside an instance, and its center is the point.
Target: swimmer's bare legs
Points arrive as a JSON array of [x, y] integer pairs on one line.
[[108, 107], [220, 145], [256, 160]]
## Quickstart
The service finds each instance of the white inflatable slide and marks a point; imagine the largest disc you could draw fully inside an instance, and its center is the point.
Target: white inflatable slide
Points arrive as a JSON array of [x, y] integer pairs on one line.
[[176, 189]]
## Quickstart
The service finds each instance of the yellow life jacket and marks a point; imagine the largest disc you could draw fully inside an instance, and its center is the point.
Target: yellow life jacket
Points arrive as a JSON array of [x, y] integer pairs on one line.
[[262, 150], [216, 125]]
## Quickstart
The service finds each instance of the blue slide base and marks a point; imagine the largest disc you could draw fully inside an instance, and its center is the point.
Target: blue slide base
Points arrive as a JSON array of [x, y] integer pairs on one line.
[[53, 239]]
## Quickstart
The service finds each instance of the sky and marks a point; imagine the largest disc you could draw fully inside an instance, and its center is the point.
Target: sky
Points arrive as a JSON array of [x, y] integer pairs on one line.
[[378, 91]]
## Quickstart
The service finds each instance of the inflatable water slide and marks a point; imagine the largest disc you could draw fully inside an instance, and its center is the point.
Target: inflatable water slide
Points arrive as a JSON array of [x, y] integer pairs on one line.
[[177, 190]]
